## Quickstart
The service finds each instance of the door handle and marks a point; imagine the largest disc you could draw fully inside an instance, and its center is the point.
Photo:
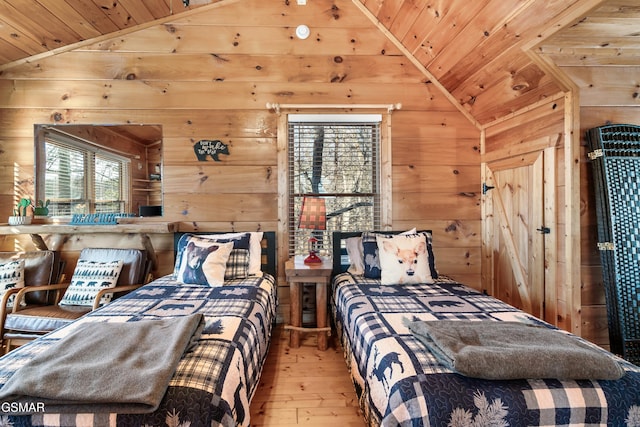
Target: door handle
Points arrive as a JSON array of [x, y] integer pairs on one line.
[[544, 230]]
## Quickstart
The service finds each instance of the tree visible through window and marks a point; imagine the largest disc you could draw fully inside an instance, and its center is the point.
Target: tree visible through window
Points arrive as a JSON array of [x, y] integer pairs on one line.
[[108, 179], [337, 160]]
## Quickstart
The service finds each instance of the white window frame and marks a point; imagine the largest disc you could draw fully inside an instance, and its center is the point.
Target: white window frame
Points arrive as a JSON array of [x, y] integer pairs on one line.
[[384, 167], [90, 151]]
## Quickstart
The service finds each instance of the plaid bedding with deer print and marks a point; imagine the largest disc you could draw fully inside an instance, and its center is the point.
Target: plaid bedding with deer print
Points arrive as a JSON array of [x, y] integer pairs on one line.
[[212, 385], [400, 383]]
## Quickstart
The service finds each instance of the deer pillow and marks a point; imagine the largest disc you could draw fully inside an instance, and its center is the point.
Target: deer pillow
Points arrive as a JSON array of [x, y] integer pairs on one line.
[[202, 261], [370, 252], [404, 259]]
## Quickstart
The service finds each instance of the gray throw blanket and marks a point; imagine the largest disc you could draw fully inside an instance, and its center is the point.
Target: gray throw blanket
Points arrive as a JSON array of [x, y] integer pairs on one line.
[[512, 350], [107, 367]]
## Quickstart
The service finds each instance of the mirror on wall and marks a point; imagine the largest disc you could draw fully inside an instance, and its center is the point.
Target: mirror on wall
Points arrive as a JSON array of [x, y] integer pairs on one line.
[[86, 169]]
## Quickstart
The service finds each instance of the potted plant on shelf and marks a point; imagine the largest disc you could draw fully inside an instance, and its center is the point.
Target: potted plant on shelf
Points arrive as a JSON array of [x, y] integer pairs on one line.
[[41, 210], [20, 216]]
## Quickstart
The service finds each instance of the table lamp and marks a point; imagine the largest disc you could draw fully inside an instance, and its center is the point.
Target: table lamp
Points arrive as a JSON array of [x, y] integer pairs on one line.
[[313, 216]]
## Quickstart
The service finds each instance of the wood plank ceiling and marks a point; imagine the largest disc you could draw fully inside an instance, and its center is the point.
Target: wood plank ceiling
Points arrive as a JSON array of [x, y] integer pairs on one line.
[[480, 51], [31, 27]]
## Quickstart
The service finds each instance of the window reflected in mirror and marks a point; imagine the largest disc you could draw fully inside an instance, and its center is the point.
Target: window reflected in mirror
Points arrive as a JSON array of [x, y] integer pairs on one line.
[[87, 169]]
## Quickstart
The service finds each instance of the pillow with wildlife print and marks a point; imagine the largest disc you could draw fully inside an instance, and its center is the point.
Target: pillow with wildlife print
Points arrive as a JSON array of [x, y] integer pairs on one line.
[[202, 261], [404, 259], [11, 277]]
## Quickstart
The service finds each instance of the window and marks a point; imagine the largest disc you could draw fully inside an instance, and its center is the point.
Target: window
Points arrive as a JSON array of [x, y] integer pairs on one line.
[[336, 158], [80, 178]]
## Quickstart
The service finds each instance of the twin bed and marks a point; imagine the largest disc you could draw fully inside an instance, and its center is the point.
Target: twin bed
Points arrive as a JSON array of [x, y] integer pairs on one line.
[[217, 355], [400, 382], [379, 307]]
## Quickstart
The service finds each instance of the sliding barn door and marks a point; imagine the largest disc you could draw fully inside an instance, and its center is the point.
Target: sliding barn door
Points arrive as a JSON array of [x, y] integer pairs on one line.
[[519, 207]]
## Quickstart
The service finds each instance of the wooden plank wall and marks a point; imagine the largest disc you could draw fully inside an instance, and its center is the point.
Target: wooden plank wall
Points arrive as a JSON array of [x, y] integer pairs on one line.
[[436, 185], [209, 75]]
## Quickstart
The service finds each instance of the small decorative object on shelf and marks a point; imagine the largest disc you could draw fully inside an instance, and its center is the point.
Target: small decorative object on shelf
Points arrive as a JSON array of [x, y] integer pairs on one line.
[[19, 220], [20, 216], [98, 218], [313, 258], [41, 209]]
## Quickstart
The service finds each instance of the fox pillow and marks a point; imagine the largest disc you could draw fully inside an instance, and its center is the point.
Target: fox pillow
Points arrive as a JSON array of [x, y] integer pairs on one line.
[[404, 259]]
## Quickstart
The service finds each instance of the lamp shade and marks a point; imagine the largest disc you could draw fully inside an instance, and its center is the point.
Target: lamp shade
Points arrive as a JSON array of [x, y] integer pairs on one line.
[[313, 215]]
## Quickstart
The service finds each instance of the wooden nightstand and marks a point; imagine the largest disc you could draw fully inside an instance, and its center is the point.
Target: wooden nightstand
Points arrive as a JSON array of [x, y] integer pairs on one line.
[[298, 273]]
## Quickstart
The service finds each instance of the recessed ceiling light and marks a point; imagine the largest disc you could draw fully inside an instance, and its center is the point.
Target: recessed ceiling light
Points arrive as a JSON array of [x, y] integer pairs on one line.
[[302, 32]]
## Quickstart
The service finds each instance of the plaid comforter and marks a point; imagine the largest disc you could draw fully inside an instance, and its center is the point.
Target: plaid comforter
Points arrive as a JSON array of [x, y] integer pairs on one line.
[[400, 383], [213, 384]]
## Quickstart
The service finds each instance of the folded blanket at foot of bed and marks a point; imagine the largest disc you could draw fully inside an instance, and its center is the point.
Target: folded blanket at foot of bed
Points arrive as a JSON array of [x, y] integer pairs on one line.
[[106, 367], [512, 350]]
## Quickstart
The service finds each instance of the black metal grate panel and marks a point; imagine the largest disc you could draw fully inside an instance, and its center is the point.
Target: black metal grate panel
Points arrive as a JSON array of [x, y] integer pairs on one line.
[[615, 154]]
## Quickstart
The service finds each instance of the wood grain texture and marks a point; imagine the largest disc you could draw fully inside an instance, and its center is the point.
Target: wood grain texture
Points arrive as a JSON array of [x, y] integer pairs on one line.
[[304, 386], [206, 72], [221, 67]]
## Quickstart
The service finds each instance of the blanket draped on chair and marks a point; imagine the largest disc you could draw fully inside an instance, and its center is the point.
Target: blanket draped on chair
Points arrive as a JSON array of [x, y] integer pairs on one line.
[[104, 367], [512, 350]]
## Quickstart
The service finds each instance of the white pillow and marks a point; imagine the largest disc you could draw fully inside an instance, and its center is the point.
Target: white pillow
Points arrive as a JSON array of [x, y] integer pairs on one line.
[[11, 277], [204, 262], [255, 248], [356, 255], [90, 277], [356, 252], [404, 259]]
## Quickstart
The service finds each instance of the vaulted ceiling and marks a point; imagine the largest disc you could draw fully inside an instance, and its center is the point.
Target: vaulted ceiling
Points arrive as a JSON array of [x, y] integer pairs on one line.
[[478, 51], [29, 27], [485, 53]]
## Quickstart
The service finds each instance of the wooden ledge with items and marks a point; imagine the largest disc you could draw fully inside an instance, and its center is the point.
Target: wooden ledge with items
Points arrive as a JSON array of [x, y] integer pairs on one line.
[[143, 228], [59, 228]]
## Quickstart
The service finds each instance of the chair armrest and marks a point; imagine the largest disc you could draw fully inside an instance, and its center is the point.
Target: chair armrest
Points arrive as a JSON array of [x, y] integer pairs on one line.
[[114, 290], [3, 307], [54, 287], [5, 297]]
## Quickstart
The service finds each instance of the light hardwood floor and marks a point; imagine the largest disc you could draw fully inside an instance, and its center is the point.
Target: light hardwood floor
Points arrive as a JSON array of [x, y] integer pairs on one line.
[[304, 386]]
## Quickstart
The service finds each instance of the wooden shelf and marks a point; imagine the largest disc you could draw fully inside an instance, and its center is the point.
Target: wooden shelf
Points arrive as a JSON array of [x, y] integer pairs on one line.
[[142, 227], [149, 189]]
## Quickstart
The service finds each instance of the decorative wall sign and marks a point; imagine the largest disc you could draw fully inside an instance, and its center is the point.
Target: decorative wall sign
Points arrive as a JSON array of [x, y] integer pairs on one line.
[[210, 148]]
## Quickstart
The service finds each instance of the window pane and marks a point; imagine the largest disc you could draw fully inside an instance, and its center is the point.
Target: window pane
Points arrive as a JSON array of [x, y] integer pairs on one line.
[[79, 180], [107, 185], [64, 180], [333, 158], [339, 161]]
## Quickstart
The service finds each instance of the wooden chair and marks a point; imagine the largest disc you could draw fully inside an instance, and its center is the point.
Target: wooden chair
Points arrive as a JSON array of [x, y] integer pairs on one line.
[[24, 324], [41, 268]]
